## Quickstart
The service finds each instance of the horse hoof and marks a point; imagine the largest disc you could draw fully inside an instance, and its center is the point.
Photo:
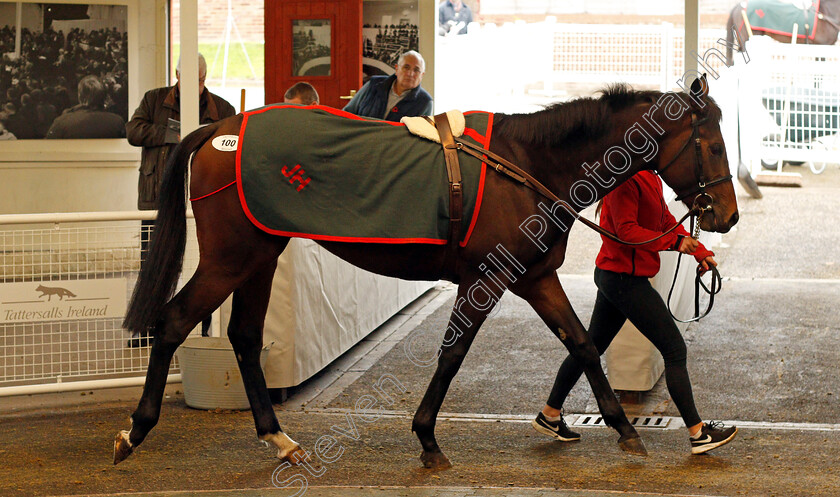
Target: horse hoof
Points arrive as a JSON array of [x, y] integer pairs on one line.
[[295, 456], [435, 460], [633, 445], [122, 447]]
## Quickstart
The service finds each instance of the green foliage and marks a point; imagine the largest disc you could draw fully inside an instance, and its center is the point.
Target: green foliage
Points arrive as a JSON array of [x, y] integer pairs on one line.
[[237, 65]]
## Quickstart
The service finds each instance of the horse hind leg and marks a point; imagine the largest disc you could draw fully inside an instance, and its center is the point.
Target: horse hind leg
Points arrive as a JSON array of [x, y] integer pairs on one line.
[[245, 332], [212, 282], [550, 302]]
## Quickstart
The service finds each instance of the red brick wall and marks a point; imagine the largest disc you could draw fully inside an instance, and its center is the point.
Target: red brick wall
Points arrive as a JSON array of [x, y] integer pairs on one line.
[[212, 18]]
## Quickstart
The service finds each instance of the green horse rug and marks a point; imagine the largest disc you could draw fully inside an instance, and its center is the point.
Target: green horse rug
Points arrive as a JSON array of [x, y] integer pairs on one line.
[[778, 17], [325, 174]]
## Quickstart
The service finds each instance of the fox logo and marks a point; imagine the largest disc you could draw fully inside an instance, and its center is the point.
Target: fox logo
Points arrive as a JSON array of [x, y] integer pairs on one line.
[[49, 291]]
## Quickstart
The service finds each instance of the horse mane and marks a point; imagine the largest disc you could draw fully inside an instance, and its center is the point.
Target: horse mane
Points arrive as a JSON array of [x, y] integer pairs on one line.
[[581, 118]]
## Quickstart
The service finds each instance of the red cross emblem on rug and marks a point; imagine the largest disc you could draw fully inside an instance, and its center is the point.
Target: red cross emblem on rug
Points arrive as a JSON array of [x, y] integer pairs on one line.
[[296, 174]]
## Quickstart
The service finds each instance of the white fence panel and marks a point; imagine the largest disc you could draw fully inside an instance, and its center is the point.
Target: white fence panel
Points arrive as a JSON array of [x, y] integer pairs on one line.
[[64, 282], [651, 55], [508, 68], [794, 101], [599, 53]]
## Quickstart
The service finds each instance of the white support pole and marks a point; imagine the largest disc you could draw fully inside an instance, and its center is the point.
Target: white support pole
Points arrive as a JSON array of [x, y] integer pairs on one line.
[[18, 27], [787, 142], [189, 66], [692, 35]]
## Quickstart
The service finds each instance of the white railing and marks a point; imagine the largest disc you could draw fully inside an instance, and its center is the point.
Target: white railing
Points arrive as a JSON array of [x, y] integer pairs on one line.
[[64, 283], [496, 68], [792, 97]]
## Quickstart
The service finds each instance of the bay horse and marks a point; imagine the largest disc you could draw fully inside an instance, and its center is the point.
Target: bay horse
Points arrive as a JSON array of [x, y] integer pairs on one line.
[[564, 145], [828, 27]]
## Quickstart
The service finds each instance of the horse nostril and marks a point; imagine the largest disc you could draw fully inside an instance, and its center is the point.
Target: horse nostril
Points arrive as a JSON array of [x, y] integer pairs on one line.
[[733, 220]]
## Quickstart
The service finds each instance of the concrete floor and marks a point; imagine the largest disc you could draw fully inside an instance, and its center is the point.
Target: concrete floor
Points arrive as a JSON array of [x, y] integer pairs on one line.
[[765, 360]]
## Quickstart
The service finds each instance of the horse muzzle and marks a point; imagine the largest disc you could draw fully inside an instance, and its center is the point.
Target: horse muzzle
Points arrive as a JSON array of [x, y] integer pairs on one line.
[[711, 220]]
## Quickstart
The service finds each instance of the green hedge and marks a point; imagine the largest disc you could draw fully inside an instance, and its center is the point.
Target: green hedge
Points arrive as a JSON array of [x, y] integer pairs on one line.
[[237, 68]]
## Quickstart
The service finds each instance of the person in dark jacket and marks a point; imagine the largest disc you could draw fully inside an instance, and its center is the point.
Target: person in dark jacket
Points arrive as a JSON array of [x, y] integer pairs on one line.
[[392, 97], [148, 129], [454, 14], [636, 211], [89, 119]]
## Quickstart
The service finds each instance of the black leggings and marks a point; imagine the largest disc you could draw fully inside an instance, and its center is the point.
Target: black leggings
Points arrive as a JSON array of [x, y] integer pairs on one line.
[[621, 297]]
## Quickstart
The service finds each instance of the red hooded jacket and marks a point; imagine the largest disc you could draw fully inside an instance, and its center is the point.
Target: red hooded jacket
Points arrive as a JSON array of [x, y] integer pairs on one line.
[[636, 211]]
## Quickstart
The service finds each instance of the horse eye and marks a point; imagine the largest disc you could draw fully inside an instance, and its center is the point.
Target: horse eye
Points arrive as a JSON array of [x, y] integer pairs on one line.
[[716, 149]]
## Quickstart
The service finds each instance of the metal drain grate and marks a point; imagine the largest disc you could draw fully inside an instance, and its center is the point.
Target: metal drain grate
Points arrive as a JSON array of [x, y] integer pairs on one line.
[[638, 422]]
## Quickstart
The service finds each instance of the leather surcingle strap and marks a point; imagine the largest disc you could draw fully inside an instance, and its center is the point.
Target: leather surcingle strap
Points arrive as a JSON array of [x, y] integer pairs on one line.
[[453, 171]]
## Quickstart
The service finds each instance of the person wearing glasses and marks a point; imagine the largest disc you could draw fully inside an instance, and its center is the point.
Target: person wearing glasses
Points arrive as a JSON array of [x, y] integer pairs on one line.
[[392, 97]]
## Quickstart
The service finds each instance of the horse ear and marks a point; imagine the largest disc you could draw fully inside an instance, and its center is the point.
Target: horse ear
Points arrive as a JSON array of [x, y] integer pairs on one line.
[[700, 87]]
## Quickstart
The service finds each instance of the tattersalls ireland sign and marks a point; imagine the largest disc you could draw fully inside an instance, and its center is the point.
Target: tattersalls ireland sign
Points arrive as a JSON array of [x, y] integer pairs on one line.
[[62, 300]]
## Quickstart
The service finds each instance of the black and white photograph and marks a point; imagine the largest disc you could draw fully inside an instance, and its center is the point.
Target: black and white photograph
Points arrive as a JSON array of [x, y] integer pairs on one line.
[[64, 70], [388, 29], [311, 47]]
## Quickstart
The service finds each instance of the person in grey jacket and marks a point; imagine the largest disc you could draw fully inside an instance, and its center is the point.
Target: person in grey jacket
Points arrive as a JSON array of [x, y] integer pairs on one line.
[[392, 97]]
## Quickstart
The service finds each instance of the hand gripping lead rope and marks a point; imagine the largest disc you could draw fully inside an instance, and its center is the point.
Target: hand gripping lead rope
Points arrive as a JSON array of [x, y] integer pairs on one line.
[[714, 287]]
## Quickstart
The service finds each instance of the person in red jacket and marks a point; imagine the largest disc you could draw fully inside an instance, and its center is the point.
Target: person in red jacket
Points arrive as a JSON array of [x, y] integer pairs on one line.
[[636, 211]]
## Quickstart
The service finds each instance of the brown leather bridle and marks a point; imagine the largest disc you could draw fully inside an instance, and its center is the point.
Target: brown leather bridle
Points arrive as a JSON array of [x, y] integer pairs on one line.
[[699, 207], [500, 164], [716, 281], [700, 190]]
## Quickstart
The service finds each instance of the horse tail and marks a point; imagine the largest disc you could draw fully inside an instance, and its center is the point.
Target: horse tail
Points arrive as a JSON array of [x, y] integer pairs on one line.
[[159, 274]]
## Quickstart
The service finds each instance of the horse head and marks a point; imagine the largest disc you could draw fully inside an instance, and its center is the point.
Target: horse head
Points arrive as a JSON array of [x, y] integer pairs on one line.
[[692, 158]]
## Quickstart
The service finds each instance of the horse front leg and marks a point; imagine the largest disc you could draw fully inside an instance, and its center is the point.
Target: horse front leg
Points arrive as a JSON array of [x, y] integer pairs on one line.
[[466, 319], [245, 332], [550, 302], [199, 297]]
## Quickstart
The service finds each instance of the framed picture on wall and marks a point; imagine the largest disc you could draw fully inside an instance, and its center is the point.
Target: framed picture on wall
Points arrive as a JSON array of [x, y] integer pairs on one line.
[[63, 70], [389, 28], [311, 47]]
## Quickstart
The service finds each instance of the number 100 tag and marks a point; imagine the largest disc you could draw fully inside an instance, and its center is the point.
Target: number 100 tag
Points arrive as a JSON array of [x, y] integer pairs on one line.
[[225, 143]]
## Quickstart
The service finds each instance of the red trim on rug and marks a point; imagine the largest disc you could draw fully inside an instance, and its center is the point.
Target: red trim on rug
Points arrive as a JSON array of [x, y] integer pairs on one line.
[[474, 135], [239, 189], [783, 33], [330, 110], [213, 193], [352, 239], [485, 141], [255, 222]]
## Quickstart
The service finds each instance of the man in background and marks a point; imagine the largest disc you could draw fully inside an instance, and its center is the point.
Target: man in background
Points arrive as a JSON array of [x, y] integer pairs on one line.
[[89, 119], [155, 126], [453, 16], [395, 96], [148, 129], [301, 93]]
